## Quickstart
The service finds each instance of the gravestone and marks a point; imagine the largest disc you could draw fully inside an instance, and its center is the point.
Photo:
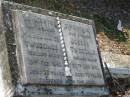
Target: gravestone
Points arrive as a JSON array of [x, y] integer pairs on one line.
[[82, 52], [40, 50], [51, 54]]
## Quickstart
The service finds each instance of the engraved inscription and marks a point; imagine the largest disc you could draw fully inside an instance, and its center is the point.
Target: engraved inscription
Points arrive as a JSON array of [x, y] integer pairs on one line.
[[40, 52], [82, 53], [40, 48]]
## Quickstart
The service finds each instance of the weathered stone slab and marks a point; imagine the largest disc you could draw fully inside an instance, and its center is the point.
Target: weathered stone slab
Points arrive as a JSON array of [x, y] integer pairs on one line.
[[40, 53], [39, 50], [82, 53], [64, 91], [116, 60]]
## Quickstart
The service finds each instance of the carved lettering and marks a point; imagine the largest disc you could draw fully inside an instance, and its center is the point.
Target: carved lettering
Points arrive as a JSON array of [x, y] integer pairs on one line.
[[40, 47], [82, 52]]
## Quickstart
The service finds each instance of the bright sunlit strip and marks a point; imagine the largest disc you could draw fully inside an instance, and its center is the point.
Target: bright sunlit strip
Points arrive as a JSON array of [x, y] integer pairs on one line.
[[2, 92]]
